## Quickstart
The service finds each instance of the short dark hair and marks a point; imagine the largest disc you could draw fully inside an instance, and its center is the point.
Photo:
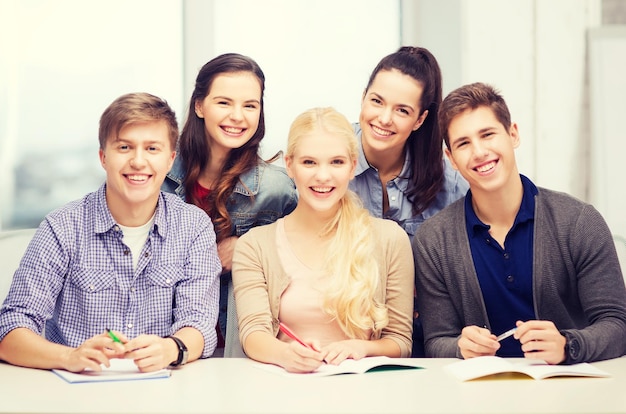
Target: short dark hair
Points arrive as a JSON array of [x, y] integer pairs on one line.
[[472, 96], [136, 107]]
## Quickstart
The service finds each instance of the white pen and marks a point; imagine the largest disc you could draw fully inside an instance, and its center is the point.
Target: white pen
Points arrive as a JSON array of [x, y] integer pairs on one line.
[[506, 334]]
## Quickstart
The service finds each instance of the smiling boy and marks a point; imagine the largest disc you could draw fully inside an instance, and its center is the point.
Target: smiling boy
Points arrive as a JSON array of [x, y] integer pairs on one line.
[[513, 255], [126, 257]]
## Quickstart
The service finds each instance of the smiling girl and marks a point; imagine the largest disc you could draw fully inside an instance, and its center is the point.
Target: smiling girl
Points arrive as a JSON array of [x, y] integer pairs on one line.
[[338, 277], [218, 167]]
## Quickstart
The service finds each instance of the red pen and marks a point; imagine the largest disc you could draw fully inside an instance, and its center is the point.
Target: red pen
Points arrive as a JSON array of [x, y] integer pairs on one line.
[[293, 336]]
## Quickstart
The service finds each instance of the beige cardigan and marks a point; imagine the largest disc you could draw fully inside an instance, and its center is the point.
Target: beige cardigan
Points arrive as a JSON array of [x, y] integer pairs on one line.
[[259, 280]]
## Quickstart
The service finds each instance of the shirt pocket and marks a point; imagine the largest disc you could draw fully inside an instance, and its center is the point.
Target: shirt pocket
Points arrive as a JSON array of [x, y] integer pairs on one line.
[[92, 281], [243, 222], [411, 225], [87, 299], [158, 295]]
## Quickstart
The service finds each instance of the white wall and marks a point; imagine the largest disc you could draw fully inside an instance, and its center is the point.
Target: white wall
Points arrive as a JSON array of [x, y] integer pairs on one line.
[[313, 53], [534, 51]]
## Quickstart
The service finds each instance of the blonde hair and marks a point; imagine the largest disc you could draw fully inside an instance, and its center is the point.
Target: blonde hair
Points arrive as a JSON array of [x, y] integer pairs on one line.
[[350, 259]]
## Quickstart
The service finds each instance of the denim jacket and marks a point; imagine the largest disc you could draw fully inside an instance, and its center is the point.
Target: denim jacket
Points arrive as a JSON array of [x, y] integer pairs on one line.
[[273, 191], [366, 183]]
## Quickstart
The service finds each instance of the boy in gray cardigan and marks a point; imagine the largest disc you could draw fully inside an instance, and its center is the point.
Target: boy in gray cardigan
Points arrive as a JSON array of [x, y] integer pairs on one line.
[[511, 256]]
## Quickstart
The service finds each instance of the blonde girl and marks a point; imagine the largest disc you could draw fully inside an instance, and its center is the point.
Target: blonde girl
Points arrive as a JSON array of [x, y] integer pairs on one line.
[[339, 278]]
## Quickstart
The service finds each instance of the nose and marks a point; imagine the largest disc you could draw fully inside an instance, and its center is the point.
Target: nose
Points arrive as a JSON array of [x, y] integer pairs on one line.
[[480, 150], [138, 160], [237, 113], [323, 172], [384, 117]]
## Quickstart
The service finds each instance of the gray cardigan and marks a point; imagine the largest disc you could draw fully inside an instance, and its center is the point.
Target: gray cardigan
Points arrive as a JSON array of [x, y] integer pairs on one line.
[[577, 280]]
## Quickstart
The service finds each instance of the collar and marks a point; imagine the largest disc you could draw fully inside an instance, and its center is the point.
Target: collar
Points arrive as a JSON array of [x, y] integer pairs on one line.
[[248, 183], [105, 222], [362, 165], [526, 211]]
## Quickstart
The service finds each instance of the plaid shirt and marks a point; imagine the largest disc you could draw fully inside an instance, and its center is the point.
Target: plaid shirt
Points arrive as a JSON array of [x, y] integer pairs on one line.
[[77, 275]]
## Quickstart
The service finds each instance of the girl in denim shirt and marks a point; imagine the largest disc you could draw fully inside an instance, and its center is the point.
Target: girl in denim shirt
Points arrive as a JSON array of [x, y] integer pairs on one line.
[[218, 167], [401, 173]]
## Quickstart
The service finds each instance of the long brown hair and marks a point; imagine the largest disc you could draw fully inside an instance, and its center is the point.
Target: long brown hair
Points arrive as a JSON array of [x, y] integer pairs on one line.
[[194, 149], [424, 145]]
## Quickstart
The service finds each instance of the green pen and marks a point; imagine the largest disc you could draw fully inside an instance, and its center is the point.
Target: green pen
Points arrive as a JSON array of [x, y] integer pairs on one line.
[[112, 335]]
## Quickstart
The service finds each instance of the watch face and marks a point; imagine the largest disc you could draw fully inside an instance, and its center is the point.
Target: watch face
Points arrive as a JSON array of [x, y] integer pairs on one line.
[[574, 348]]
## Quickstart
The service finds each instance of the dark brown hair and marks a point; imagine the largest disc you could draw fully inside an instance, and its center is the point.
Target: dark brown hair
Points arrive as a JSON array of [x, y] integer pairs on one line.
[[195, 151], [424, 144], [472, 96]]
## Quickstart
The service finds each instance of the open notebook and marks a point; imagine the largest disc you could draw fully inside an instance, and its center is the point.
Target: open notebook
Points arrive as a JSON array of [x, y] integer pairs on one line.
[[487, 366], [350, 366], [120, 370]]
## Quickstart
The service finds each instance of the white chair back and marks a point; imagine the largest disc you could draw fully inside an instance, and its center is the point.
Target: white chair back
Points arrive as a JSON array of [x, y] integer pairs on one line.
[[13, 244]]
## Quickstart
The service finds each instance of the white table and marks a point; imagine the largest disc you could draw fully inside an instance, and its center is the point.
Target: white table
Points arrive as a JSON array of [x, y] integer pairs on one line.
[[232, 385]]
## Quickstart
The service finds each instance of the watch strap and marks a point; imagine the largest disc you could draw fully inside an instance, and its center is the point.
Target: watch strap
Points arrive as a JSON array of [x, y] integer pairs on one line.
[[182, 352]]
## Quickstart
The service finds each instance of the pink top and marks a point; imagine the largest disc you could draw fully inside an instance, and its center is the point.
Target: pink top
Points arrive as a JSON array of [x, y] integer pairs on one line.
[[301, 303]]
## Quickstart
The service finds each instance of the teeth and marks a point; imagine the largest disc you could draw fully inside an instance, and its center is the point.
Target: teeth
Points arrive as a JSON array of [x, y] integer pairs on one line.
[[485, 167], [232, 130], [137, 177], [380, 131], [322, 189]]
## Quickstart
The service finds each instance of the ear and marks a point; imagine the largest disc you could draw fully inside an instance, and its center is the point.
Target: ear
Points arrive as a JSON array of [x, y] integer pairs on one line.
[[420, 120], [198, 109], [102, 157], [353, 169], [514, 134], [288, 165], [171, 162], [451, 158]]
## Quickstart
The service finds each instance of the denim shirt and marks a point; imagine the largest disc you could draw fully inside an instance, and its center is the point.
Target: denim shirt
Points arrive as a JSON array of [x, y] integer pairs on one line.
[[261, 196], [366, 183]]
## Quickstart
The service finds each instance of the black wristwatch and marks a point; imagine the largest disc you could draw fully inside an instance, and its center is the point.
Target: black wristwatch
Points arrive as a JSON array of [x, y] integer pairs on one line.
[[182, 352], [572, 348]]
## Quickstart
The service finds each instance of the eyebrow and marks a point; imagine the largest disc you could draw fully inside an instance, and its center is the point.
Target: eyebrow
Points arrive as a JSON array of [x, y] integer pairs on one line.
[[399, 105], [480, 132], [231, 99]]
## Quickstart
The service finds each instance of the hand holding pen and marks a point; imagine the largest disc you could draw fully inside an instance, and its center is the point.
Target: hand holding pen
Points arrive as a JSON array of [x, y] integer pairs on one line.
[[301, 356]]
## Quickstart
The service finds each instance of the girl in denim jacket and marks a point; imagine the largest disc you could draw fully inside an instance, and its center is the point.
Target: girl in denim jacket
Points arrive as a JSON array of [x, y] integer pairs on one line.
[[218, 167]]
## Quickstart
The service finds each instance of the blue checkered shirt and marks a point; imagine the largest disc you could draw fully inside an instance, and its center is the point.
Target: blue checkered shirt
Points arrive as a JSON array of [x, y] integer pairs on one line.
[[77, 277]]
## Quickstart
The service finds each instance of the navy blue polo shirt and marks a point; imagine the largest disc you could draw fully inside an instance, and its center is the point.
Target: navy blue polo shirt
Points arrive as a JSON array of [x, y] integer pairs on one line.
[[505, 274]]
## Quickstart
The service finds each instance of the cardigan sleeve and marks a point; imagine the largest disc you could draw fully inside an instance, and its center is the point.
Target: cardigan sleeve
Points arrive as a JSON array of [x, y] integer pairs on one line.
[[399, 288], [250, 286]]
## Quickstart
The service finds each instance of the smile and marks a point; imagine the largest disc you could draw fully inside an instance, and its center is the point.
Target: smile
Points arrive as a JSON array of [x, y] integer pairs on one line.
[[486, 167], [233, 130], [380, 131], [138, 178], [322, 189]]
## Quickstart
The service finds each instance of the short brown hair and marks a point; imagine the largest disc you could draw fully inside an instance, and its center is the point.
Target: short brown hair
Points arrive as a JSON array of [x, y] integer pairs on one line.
[[136, 107], [472, 96]]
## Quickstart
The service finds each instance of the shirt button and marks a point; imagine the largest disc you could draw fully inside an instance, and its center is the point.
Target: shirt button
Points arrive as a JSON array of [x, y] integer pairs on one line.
[[393, 198], [506, 255], [132, 289], [129, 325], [510, 279], [126, 252], [168, 280], [146, 254], [92, 287]]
